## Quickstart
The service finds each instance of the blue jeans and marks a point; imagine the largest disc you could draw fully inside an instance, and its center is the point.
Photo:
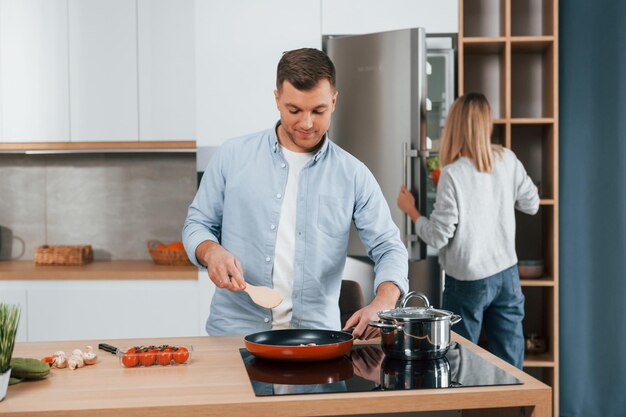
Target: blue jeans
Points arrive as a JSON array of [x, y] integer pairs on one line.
[[499, 303]]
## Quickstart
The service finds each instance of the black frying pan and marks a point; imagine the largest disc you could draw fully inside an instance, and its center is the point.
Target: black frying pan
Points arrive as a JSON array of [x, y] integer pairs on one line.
[[302, 345]]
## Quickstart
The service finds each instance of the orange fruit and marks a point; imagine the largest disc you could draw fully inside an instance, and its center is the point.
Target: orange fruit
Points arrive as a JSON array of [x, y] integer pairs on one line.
[[176, 246]]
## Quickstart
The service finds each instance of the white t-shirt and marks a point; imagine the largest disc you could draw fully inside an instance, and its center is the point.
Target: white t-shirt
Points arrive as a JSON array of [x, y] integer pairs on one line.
[[282, 274]]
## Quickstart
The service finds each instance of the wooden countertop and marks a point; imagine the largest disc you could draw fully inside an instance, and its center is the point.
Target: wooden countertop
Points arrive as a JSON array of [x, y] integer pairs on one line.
[[105, 270], [215, 383]]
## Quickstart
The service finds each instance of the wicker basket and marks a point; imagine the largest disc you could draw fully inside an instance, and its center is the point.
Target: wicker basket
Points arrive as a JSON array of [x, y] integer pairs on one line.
[[167, 256], [63, 255]]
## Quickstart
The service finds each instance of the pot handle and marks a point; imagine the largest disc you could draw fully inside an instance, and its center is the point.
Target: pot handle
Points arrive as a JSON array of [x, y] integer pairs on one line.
[[384, 326], [415, 294], [454, 319]]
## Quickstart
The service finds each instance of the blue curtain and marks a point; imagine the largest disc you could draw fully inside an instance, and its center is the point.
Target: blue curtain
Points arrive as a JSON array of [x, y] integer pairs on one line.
[[592, 74]]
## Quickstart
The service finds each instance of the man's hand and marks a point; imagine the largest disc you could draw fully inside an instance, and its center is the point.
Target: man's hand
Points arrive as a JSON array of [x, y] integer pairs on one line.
[[224, 269], [386, 297], [366, 362]]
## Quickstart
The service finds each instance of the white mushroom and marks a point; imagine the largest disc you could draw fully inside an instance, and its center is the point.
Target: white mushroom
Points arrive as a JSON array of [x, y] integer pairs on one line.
[[60, 361], [89, 358], [77, 352], [59, 353], [75, 362]]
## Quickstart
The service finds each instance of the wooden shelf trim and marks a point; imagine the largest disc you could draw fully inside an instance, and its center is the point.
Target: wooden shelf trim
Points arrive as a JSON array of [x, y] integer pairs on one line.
[[539, 282], [544, 360], [531, 120], [546, 202], [483, 39], [98, 270], [93, 146]]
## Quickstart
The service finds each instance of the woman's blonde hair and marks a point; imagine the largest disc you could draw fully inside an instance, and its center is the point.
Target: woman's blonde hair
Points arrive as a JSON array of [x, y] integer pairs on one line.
[[468, 133]]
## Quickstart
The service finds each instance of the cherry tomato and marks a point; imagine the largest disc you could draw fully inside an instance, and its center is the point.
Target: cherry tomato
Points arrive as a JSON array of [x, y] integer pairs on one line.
[[148, 357], [48, 359], [181, 354], [164, 357], [130, 358]]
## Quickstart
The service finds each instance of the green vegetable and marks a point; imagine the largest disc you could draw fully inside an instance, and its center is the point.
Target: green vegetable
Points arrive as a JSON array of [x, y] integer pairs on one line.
[[432, 163], [28, 368]]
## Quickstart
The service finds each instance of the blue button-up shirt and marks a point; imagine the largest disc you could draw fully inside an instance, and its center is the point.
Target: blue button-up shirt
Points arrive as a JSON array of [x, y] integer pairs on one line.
[[238, 206]]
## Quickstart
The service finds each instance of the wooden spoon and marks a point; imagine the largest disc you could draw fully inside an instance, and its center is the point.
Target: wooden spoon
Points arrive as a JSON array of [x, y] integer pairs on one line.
[[264, 296]]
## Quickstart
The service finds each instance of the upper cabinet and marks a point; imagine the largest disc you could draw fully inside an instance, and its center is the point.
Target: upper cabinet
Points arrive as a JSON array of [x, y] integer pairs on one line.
[[238, 45], [352, 17], [103, 70], [166, 69], [34, 81], [97, 71]]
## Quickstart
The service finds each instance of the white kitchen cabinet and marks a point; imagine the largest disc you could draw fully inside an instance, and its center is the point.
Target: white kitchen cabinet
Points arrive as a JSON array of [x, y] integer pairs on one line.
[[238, 45], [105, 309], [353, 17], [34, 84], [166, 69], [103, 70]]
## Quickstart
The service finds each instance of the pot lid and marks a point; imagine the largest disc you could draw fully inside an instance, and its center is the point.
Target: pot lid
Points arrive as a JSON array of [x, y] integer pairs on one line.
[[415, 314]]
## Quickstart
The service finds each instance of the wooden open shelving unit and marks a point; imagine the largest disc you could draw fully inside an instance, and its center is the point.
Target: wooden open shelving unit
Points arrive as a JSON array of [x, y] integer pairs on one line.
[[508, 50]]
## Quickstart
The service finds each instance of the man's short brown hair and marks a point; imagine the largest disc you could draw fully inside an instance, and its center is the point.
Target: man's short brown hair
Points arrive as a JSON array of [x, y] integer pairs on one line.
[[304, 68]]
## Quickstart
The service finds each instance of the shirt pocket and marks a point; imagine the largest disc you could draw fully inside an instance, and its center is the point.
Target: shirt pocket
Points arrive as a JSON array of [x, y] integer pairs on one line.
[[334, 215]]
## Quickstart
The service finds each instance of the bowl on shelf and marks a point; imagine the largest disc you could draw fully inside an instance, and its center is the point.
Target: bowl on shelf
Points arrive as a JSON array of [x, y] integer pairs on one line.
[[530, 268]]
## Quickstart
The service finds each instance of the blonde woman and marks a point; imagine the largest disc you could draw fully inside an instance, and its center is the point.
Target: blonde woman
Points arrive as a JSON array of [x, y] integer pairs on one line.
[[473, 226]]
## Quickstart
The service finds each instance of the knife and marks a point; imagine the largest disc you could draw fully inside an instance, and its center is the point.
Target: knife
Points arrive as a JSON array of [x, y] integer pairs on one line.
[[108, 348]]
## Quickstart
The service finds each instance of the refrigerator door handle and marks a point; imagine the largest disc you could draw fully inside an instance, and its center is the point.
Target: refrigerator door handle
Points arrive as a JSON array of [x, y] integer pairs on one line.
[[407, 156]]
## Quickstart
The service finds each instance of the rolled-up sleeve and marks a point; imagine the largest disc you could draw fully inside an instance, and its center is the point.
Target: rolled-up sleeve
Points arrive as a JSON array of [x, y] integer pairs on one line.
[[379, 233]]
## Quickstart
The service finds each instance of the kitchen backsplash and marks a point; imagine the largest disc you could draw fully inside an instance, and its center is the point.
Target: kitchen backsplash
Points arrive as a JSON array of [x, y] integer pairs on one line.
[[115, 202]]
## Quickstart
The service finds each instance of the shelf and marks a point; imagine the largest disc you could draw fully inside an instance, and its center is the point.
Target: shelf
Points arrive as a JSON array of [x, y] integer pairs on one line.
[[532, 121], [533, 145], [92, 147], [484, 73], [508, 51], [544, 360], [483, 45], [532, 17], [498, 136], [531, 43], [539, 282], [534, 237], [532, 78], [97, 270], [483, 18]]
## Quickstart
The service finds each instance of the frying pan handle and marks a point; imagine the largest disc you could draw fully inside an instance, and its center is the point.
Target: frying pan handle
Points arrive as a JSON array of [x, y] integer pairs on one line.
[[384, 326]]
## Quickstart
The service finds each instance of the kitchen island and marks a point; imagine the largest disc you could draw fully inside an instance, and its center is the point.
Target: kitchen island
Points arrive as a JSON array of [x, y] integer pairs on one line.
[[215, 383]]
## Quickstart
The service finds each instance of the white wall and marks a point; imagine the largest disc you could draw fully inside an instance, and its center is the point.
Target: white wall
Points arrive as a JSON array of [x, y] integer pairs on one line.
[[352, 17], [239, 44]]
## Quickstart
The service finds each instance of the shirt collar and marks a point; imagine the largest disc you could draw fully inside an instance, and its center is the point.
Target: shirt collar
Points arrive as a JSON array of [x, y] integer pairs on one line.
[[276, 146]]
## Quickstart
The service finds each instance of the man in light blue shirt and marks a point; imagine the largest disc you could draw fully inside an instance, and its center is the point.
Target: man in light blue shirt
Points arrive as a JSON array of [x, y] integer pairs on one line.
[[275, 208]]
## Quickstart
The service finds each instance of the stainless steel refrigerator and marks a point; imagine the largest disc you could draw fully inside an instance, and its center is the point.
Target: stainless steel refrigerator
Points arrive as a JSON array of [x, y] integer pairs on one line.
[[381, 118]]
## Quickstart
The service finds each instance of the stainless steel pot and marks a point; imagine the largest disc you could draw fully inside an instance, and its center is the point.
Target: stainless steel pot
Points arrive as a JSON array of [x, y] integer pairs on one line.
[[410, 333], [398, 374]]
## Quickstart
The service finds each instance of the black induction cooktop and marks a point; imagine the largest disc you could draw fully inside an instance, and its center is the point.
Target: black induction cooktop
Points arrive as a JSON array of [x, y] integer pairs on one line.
[[366, 368]]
